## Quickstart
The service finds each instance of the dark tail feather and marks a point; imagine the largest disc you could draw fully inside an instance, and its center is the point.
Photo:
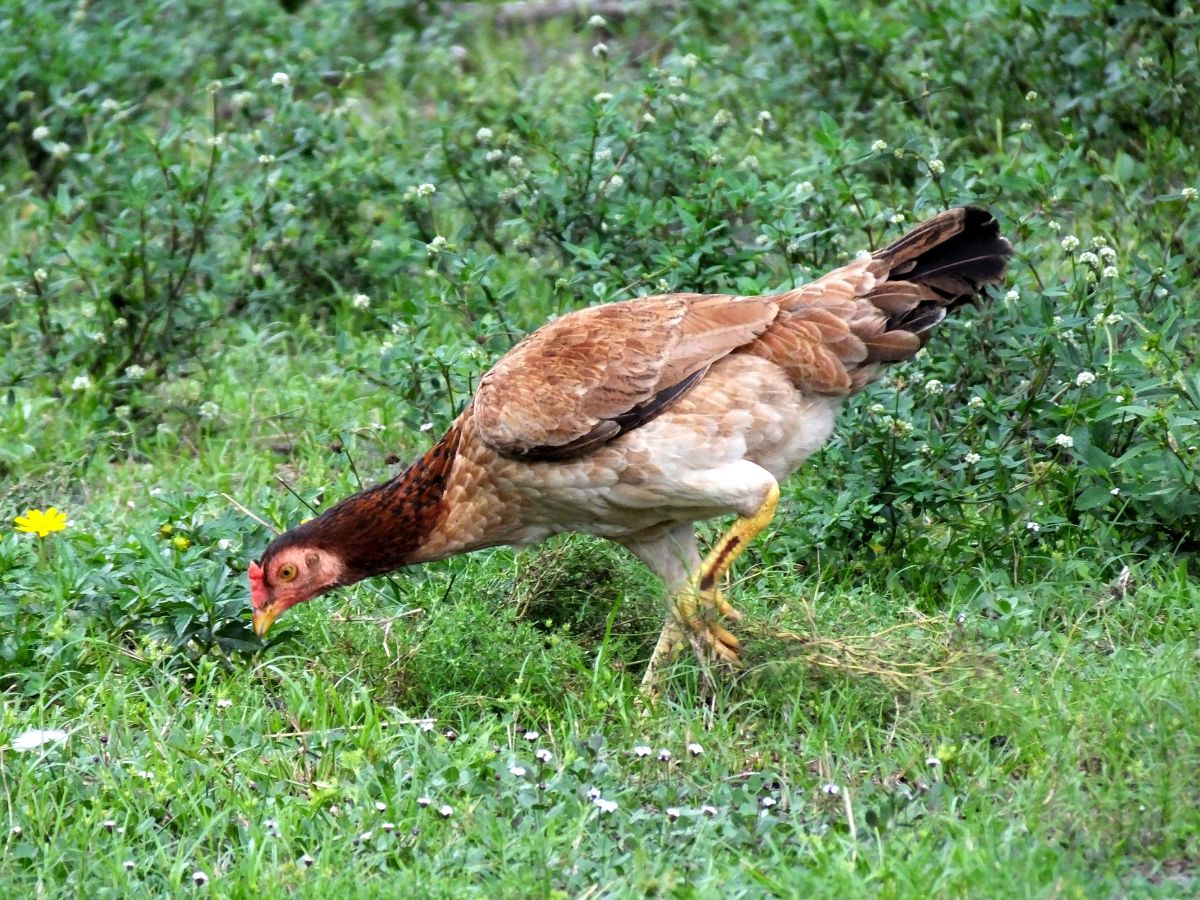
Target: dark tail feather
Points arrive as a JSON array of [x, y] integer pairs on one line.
[[940, 265]]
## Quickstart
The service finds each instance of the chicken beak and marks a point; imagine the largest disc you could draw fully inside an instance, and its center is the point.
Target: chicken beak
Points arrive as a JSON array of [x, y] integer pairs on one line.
[[263, 618]]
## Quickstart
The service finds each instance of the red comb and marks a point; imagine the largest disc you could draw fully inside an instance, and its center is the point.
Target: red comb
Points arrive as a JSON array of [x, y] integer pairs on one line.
[[258, 590]]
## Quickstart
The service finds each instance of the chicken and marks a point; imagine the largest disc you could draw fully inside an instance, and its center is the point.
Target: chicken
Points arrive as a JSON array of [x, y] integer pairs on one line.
[[634, 420]]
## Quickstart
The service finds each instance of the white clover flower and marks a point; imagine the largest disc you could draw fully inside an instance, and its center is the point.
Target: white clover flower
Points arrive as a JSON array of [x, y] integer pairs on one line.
[[720, 119], [427, 426], [517, 771], [597, 22], [1070, 243], [695, 749], [361, 301], [765, 118], [975, 402], [605, 806], [60, 150], [437, 245], [425, 189], [81, 383], [1030, 96], [1088, 258], [937, 167], [674, 81], [129, 865], [531, 735], [600, 50], [281, 79], [896, 218], [690, 61], [1109, 272], [831, 789], [1114, 319], [224, 703], [1188, 193], [1064, 440], [1054, 226], [36, 737], [209, 410], [648, 119], [879, 146], [135, 372], [613, 183], [1033, 526], [1115, 491], [543, 755], [199, 878], [933, 386], [1108, 254], [933, 762], [266, 158], [767, 802], [602, 97], [15, 830], [972, 458], [603, 155], [877, 409], [641, 751], [804, 187], [664, 755], [215, 140], [515, 163], [380, 806], [41, 133], [494, 156], [484, 135], [109, 105], [445, 810], [1084, 378], [242, 99], [423, 801], [1026, 126]]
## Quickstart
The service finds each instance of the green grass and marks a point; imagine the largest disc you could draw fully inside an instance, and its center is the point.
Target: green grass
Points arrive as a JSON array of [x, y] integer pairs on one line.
[[964, 678]]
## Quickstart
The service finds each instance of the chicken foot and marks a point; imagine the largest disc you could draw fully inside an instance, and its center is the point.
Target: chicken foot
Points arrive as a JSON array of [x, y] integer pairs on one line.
[[696, 607]]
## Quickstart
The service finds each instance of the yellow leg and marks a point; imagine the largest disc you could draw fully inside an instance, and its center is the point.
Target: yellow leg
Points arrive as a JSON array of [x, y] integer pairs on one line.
[[698, 604], [668, 641]]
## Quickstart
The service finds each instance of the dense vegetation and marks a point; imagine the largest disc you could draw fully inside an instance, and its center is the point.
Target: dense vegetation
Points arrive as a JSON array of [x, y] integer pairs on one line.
[[253, 255]]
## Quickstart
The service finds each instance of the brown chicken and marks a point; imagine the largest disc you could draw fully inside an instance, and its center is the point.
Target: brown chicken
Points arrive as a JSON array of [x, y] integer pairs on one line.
[[634, 420]]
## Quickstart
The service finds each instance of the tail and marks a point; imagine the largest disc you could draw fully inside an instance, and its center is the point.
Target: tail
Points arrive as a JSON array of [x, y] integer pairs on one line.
[[937, 267], [832, 335]]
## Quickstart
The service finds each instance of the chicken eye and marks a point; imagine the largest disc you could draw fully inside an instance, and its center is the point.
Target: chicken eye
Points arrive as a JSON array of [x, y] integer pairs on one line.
[[287, 572]]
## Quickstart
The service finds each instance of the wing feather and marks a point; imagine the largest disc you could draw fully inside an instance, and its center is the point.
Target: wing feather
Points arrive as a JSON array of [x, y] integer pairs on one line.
[[586, 378]]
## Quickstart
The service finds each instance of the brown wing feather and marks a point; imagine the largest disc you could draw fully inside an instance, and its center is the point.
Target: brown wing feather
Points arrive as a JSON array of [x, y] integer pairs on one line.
[[592, 375]]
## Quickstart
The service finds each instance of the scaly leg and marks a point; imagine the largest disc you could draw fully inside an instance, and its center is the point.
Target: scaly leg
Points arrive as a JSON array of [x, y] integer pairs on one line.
[[700, 603], [697, 603]]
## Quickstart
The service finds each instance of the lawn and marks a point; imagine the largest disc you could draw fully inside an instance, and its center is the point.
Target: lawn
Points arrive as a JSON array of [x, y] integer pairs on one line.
[[256, 255]]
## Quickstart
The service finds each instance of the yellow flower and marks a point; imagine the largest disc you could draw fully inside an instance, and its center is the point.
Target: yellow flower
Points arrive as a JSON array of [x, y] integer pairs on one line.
[[41, 523], [181, 543]]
